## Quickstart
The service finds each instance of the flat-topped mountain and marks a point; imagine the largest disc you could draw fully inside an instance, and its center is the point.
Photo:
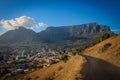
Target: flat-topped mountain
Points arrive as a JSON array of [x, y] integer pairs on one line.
[[74, 32], [64, 36]]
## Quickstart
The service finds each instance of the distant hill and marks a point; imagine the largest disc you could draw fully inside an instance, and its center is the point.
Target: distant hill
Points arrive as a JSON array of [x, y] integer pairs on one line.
[[110, 54], [64, 36], [18, 35]]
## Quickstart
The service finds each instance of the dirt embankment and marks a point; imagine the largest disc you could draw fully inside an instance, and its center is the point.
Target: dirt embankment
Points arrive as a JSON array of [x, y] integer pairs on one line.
[[69, 70], [105, 65], [111, 55]]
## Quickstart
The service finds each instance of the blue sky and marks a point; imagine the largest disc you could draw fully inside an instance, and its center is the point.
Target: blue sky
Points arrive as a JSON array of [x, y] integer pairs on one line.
[[63, 12]]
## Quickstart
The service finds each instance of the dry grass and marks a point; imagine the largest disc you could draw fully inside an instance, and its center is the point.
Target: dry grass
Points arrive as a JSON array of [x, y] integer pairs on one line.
[[60, 71], [112, 54]]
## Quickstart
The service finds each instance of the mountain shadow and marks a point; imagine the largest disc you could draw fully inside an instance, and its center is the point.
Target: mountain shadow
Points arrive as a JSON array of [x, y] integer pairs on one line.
[[97, 69]]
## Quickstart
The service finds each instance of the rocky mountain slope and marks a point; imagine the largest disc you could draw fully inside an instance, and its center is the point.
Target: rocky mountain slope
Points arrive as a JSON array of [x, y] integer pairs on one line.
[[64, 36]]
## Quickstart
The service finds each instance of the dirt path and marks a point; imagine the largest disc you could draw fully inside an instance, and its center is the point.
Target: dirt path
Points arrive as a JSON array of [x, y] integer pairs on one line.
[[96, 69]]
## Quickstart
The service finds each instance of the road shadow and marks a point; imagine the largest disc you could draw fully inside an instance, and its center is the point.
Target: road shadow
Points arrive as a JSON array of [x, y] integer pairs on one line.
[[97, 69]]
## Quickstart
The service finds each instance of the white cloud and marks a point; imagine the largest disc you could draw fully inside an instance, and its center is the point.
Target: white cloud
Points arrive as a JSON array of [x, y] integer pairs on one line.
[[23, 21], [41, 24]]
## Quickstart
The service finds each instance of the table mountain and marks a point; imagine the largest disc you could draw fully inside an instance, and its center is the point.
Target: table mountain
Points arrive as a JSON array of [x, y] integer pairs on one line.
[[62, 36]]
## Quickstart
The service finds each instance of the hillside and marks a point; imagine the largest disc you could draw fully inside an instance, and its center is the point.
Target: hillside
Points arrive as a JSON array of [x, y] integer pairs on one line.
[[112, 54], [19, 35], [69, 70]]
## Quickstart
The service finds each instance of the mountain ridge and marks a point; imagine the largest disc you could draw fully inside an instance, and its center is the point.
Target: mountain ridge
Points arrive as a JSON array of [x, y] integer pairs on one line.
[[56, 36]]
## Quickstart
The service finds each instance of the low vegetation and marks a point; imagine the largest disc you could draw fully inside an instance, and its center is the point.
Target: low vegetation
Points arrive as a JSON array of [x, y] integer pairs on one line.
[[60, 68], [64, 57], [78, 50], [37, 77], [104, 48], [29, 78], [53, 62], [50, 76], [98, 40]]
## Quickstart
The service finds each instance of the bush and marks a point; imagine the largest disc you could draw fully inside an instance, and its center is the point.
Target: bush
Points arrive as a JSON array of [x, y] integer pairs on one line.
[[37, 77], [53, 73], [50, 76], [98, 40], [29, 78], [104, 48], [105, 36], [53, 62], [74, 51], [64, 57], [60, 68], [78, 50]]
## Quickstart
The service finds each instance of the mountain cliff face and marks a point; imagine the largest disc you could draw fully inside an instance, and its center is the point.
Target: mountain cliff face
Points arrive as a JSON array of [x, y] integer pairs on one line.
[[72, 32], [75, 35]]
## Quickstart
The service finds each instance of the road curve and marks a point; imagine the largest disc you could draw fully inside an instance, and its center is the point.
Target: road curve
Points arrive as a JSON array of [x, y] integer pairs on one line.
[[97, 69]]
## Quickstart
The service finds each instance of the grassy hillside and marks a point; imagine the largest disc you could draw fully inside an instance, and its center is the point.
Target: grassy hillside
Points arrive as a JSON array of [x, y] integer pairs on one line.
[[108, 50], [69, 70]]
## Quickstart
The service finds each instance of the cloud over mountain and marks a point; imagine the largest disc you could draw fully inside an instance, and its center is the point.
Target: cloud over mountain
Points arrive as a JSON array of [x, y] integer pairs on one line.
[[23, 21], [41, 24]]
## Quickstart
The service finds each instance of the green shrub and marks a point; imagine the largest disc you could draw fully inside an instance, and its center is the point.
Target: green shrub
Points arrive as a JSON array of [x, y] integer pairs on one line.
[[74, 51], [98, 40], [53, 62], [78, 50], [64, 57], [104, 48], [105, 36]]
